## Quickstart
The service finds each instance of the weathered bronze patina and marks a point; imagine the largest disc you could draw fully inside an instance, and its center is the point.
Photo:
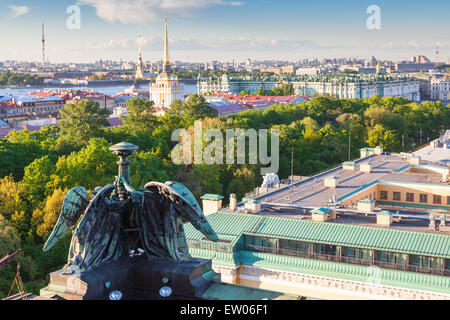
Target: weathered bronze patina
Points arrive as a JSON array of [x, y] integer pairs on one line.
[[120, 219]]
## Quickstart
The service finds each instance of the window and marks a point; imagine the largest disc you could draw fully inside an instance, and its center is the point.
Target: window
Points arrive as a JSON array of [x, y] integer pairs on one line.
[[423, 198], [391, 257], [437, 199], [356, 253], [397, 196], [425, 262], [410, 197], [324, 249], [383, 195]]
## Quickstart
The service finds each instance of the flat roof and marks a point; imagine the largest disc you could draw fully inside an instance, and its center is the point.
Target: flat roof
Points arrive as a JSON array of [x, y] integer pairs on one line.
[[312, 192], [434, 154]]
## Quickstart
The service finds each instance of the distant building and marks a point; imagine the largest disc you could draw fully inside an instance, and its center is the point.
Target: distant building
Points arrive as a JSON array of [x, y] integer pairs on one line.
[[343, 88], [440, 89], [413, 67], [225, 84], [310, 71], [339, 86], [166, 88], [228, 104]]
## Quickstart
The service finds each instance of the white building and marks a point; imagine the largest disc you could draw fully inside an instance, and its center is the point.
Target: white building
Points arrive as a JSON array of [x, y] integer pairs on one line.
[[439, 89], [166, 88], [406, 88]]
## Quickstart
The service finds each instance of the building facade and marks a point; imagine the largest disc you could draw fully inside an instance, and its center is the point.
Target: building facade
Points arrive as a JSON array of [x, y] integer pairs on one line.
[[339, 87], [225, 84], [440, 89], [166, 88], [409, 89]]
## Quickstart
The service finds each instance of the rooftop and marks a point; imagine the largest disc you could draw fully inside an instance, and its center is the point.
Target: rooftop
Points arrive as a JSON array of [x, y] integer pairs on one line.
[[312, 192]]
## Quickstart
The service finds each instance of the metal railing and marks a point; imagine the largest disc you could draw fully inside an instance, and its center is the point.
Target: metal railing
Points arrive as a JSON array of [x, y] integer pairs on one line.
[[350, 260]]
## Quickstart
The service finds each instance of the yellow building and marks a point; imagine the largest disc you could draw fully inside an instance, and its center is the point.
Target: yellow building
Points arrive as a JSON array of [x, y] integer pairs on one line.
[[166, 88]]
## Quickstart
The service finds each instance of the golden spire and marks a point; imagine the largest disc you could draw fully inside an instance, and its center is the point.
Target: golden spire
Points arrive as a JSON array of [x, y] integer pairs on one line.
[[166, 65]]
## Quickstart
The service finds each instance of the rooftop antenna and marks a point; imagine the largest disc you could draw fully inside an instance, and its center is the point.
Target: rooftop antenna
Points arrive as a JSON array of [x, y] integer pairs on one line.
[[43, 48]]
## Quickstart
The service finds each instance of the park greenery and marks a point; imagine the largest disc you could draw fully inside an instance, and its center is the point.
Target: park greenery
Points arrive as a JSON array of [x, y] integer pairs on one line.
[[38, 168], [9, 79]]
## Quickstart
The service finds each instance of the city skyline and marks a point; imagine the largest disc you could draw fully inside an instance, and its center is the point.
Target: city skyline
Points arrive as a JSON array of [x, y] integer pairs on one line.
[[224, 30]]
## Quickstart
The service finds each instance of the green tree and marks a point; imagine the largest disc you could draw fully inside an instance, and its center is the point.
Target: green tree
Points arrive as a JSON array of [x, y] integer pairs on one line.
[[176, 107], [44, 219], [195, 107], [90, 167], [286, 89], [380, 136], [37, 177], [81, 121], [141, 116]]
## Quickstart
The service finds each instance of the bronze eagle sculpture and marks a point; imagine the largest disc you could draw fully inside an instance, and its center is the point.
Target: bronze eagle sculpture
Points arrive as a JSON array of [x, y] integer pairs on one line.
[[154, 212]]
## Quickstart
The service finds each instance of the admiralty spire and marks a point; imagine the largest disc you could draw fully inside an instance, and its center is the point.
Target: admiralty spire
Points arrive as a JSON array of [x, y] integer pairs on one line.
[[166, 88]]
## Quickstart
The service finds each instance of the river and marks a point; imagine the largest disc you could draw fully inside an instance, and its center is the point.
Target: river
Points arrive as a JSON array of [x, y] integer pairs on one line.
[[108, 90]]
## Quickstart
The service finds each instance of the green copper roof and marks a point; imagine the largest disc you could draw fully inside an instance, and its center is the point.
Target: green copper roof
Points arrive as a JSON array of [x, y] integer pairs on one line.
[[346, 271], [228, 226], [236, 224], [343, 271], [211, 197], [320, 211], [226, 291]]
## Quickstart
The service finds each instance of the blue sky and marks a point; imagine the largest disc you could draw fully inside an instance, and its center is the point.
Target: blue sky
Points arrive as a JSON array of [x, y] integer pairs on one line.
[[224, 30]]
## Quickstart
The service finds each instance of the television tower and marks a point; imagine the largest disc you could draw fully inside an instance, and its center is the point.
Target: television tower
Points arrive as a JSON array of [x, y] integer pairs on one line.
[[43, 48], [437, 54]]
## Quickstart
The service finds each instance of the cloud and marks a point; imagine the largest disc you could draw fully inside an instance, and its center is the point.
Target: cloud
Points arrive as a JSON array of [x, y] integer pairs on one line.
[[17, 11], [142, 11], [188, 44], [264, 44]]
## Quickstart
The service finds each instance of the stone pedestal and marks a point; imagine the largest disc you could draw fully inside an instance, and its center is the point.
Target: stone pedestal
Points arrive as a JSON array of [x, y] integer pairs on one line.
[[136, 278]]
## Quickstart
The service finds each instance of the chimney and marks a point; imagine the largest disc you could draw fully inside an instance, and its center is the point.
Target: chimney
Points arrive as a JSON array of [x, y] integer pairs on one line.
[[331, 182], [348, 166], [320, 214], [442, 226], [253, 205], [432, 225], [211, 203], [414, 161], [233, 202], [366, 167], [378, 150], [366, 205], [384, 218]]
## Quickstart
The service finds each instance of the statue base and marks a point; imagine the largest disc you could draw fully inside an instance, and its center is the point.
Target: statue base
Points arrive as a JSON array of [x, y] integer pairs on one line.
[[136, 278]]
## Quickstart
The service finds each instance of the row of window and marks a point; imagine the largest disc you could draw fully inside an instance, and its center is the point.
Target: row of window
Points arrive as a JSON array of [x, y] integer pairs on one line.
[[410, 197], [362, 256]]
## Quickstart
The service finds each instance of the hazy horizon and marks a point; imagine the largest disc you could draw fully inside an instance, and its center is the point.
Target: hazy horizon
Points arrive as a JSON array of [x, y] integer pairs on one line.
[[223, 30]]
